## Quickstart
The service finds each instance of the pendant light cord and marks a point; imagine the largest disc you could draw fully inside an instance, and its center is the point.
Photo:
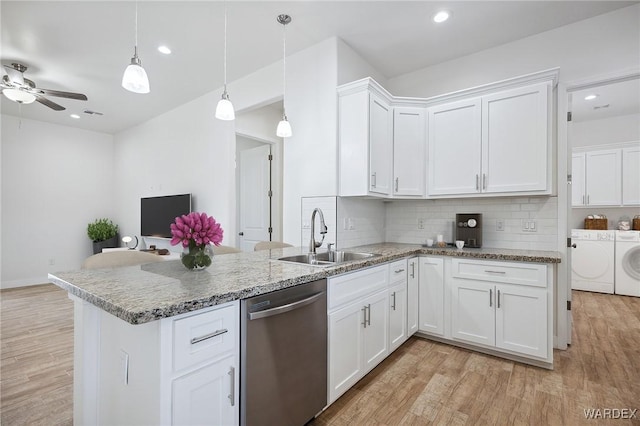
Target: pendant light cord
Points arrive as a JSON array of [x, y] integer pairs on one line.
[[136, 27], [284, 67], [225, 47]]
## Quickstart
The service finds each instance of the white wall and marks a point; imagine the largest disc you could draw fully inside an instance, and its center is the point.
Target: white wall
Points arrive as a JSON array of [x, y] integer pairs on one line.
[[352, 66], [606, 131], [55, 180], [185, 150], [587, 48]]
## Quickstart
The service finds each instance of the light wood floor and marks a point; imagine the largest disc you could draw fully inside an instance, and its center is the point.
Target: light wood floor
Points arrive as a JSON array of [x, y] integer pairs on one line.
[[423, 382]]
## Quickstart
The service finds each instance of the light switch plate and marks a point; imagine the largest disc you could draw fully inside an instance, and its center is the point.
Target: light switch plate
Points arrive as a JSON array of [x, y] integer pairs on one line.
[[499, 225]]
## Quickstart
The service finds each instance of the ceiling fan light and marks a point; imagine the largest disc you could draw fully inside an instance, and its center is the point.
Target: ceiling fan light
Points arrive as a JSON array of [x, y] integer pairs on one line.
[[135, 77], [19, 96], [284, 128], [224, 110]]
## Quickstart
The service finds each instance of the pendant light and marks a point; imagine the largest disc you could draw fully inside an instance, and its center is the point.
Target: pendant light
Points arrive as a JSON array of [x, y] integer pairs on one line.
[[224, 110], [284, 128], [135, 77]]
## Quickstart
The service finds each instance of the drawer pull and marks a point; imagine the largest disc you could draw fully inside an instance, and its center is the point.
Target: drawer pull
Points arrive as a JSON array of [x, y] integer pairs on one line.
[[232, 388], [208, 336], [495, 272], [397, 271]]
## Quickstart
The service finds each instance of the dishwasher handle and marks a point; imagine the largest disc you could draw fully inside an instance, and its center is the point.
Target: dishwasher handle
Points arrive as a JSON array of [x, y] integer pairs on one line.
[[285, 308]]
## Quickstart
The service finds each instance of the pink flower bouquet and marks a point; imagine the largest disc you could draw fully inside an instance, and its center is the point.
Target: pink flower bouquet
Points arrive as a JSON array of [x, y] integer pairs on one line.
[[196, 231]]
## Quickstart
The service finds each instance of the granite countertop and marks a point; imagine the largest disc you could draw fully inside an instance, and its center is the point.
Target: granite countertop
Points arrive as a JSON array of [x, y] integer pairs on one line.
[[139, 294]]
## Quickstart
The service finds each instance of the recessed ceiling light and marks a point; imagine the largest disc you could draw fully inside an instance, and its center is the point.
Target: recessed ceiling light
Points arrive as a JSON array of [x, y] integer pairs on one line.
[[74, 116], [590, 97], [164, 49], [441, 16]]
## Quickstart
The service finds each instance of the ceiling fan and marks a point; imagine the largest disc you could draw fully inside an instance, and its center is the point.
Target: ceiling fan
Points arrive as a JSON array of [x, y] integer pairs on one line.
[[19, 89]]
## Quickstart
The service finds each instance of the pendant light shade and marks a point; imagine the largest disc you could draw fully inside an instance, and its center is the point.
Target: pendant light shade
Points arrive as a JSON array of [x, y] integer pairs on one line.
[[224, 110], [284, 127], [135, 77], [19, 96]]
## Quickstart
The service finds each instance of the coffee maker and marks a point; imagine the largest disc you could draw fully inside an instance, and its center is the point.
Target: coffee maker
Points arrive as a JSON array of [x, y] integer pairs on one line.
[[469, 229]]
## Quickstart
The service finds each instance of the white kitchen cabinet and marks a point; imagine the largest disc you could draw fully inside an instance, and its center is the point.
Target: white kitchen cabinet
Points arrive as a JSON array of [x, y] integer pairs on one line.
[[597, 178], [521, 319], [454, 147], [494, 144], [472, 312], [501, 304], [358, 326], [206, 396], [365, 145], [413, 279], [515, 140], [631, 176], [397, 304], [380, 145], [431, 295], [578, 175], [409, 147]]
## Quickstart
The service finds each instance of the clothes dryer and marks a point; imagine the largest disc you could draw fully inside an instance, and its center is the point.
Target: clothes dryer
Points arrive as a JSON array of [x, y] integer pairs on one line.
[[593, 260], [628, 263]]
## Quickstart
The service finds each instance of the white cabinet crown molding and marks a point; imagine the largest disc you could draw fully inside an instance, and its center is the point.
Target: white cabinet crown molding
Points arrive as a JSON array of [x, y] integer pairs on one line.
[[620, 145]]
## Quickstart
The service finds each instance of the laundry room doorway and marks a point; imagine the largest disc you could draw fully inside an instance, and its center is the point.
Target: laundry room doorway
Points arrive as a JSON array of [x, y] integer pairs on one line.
[[602, 122]]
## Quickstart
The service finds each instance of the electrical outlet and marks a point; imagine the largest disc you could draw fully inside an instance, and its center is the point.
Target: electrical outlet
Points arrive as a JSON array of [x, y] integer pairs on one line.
[[499, 225], [529, 225], [420, 223], [352, 224]]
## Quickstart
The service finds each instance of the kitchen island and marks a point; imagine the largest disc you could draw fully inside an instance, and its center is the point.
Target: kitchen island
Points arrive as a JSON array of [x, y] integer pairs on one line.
[[151, 342]]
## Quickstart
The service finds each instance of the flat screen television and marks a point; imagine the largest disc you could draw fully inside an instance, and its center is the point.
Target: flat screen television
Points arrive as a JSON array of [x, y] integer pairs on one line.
[[158, 213]]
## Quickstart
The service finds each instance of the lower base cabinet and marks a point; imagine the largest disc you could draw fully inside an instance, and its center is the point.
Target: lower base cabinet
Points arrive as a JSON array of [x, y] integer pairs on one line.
[[505, 306], [206, 396], [397, 315], [431, 296]]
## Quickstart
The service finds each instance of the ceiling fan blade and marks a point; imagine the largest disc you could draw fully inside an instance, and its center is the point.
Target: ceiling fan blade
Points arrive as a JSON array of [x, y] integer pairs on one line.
[[50, 104], [68, 95], [14, 75]]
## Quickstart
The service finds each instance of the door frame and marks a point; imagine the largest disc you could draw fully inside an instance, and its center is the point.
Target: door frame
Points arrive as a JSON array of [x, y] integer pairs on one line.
[[563, 315], [276, 187]]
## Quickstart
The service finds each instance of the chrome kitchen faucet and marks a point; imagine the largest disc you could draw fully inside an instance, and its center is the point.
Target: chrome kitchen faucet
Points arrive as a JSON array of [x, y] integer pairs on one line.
[[323, 230]]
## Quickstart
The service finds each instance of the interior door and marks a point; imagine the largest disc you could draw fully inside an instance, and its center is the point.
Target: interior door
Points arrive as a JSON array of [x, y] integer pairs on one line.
[[255, 200]]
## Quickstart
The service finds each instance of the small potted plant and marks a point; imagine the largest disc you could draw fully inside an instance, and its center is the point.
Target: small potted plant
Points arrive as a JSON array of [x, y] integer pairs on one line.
[[103, 233]]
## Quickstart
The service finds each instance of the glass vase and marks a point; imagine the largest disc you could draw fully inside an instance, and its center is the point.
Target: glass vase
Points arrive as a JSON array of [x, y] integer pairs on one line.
[[196, 257]]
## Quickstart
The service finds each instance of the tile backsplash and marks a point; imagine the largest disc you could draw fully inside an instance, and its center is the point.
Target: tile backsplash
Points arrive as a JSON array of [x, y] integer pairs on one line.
[[404, 218], [360, 221]]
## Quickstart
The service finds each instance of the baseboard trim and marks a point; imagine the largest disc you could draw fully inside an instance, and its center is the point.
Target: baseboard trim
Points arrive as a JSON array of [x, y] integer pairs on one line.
[[27, 282]]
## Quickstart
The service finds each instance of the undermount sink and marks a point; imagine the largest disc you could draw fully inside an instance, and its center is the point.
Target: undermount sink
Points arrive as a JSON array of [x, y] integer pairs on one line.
[[326, 258]]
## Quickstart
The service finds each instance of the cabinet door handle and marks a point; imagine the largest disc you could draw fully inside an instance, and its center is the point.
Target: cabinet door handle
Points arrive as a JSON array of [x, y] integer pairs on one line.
[[484, 181], [373, 180], [498, 302], [582, 199], [588, 201], [494, 272], [232, 387], [490, 297], [477, 182], [208, 336], [364, 314], [396, 184], [413, 269], [393, 305], [369, 314]]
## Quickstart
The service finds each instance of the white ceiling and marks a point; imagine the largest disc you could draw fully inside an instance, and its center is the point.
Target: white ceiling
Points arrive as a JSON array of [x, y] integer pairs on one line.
[[612, 100], [84, 46]]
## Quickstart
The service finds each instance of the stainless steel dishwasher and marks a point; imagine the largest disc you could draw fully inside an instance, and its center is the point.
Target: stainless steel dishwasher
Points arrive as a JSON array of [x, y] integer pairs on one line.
[[283, 366]]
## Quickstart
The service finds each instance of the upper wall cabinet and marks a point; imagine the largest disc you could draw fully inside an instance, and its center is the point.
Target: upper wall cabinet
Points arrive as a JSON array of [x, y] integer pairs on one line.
[[498, 143], [409, 146], [631, 176], [606, 177], [365, 126]]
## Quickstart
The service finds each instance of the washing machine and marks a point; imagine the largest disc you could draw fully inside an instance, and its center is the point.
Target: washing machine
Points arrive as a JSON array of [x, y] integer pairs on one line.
[[628, 263], [593, 260]]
